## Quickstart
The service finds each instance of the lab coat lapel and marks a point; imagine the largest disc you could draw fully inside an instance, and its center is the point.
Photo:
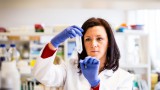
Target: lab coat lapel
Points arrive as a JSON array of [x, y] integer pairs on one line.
[[108, 80]]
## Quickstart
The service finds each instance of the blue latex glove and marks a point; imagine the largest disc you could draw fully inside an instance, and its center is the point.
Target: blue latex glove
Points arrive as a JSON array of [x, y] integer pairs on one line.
[[69, 32], [90, 68]]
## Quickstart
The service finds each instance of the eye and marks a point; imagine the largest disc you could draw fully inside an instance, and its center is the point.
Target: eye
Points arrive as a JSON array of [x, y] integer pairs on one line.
[[99, 39], [87, 39]]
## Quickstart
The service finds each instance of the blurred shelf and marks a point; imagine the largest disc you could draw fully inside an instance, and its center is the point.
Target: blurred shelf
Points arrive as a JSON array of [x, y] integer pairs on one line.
[[132, 32], [135, 66], [37, 46], [25, 34], [34, 55]]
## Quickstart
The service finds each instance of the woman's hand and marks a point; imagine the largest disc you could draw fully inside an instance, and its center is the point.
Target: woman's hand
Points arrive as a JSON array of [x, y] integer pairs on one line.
[[90, 68], [69, 32]]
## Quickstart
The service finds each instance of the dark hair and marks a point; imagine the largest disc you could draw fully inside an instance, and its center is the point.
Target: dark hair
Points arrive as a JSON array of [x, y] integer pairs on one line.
[[113, 54]]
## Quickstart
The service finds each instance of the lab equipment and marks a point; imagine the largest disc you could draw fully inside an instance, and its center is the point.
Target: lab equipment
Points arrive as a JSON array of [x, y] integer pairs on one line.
[[13, 53], [79, 44], [3, 53], [10, 76]]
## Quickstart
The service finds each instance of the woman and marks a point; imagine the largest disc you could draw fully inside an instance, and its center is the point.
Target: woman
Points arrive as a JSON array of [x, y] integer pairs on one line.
[[97, 67]]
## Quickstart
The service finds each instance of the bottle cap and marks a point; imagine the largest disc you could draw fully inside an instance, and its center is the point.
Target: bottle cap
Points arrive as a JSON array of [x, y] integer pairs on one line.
[[2, 45], [12, 45]]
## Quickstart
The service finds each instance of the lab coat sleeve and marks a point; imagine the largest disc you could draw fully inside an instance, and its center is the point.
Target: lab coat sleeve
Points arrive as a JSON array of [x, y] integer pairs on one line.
[[47, 52], [47, 73]]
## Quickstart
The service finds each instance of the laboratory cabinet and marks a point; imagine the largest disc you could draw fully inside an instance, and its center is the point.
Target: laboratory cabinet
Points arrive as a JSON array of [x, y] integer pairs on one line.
[[32, 43], [134, 49]]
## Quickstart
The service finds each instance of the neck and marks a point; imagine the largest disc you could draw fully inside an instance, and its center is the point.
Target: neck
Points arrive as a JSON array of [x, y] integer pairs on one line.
[[102, 64]]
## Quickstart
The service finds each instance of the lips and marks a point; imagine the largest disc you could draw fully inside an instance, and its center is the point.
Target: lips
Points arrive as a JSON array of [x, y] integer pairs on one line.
[[94, 51]]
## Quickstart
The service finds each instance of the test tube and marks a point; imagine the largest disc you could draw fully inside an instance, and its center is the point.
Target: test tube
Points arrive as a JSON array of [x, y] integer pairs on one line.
[[79, 44]]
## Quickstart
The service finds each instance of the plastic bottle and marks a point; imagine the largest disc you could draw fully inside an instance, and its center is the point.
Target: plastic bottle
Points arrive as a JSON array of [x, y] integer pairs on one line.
[[135, 83], [136, 53], [10, 76], [14, 54], [3, 53], [2, 58], [25, 52]]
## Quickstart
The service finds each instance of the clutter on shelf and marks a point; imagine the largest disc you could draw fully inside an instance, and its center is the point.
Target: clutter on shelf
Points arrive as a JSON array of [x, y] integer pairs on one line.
[[124, 27]]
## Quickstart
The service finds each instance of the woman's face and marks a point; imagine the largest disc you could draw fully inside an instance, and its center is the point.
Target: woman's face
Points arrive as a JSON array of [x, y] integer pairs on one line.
[[96, 42]]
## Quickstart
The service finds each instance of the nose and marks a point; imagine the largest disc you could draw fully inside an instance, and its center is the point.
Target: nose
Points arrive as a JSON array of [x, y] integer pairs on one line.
[[94, 43]]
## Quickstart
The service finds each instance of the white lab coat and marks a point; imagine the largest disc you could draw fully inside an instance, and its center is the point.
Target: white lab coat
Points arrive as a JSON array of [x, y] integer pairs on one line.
[[66, 75]]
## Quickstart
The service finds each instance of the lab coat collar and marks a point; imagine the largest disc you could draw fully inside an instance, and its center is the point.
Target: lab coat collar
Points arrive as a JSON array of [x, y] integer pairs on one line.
[[108, 72]]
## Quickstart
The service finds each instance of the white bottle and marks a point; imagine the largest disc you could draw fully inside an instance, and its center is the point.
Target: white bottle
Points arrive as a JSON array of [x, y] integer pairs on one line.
[[10, 75], [136, 52], [3, 57], [13, 53], [3, 53]]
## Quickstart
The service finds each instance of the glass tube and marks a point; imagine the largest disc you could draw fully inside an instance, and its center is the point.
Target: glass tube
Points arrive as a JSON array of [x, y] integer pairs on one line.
[[79, 44]]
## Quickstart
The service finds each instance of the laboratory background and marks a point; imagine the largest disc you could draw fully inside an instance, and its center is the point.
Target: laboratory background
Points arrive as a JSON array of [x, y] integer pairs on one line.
[[27, 25]]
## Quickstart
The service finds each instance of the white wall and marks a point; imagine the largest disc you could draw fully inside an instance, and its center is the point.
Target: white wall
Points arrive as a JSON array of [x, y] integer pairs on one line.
[[27, 17], [15, 13]]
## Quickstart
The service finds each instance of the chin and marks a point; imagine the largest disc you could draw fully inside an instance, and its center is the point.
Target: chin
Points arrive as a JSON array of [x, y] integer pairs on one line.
[[95, 56]]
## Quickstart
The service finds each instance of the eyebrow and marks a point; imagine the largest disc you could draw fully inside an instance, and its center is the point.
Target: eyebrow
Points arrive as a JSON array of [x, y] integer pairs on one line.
[[96, 36]]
